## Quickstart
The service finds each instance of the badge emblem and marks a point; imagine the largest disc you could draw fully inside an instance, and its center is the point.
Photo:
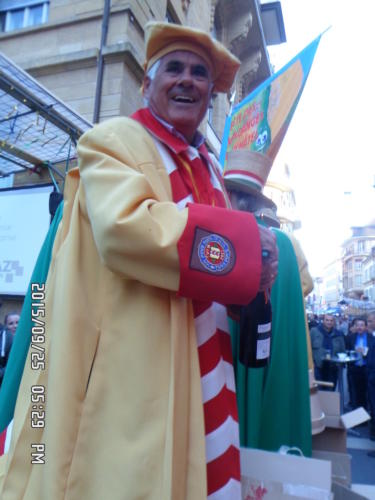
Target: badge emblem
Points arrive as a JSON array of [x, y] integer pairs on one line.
[[214, 253]]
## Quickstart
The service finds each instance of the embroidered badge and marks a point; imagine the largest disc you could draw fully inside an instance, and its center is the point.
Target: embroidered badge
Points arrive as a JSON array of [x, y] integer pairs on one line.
[[212, 253]]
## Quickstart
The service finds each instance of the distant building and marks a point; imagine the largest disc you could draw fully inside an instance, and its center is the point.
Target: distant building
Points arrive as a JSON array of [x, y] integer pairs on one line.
[[368, 273], [315, 301], [279, 189], [355, 252], [332, 283]]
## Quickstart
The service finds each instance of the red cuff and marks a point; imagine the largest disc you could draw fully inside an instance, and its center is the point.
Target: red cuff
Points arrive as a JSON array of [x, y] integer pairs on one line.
[[220, 255]]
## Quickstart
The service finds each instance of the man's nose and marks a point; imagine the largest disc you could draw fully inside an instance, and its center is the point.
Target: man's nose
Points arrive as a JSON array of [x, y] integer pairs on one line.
[[185, 77]]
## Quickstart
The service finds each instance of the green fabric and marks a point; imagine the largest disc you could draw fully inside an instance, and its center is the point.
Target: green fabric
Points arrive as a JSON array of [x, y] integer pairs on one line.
[[21, 342], [249, 388], [274, 402]]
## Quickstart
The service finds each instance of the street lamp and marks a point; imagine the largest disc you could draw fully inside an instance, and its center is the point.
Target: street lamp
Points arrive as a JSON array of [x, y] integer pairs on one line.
[[273, 23]]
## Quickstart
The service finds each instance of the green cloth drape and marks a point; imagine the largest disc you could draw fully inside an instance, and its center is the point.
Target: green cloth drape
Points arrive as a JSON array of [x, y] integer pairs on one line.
[[274, 402], [21, 341]]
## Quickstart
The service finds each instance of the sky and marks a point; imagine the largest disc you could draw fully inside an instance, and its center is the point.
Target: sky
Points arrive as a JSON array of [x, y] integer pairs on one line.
[[328, 146]]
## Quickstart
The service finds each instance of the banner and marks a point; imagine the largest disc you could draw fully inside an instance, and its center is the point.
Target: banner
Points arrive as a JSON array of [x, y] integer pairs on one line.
[[259, 122], [22, 232]]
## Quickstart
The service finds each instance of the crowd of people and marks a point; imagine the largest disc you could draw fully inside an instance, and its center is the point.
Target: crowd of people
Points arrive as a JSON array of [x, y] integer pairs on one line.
[[331, 335]]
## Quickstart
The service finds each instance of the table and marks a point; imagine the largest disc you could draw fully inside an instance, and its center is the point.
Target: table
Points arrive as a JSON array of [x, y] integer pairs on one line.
[[341, 362]]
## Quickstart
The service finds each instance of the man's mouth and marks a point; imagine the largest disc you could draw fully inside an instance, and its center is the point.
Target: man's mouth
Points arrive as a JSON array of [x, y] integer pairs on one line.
[[184, 99]]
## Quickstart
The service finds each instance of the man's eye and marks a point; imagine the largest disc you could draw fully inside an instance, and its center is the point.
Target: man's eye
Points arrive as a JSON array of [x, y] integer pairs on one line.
[[174, 67], [200, 72]]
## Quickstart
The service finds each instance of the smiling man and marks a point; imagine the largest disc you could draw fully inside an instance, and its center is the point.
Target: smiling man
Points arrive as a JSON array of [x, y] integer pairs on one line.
[[138, 386], [183, 105]]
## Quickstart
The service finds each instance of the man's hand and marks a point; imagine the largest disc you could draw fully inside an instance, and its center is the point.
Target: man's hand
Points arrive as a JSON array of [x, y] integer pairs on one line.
[[269, 262]]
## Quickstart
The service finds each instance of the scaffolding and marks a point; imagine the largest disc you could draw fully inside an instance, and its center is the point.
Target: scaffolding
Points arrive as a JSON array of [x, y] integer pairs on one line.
[[37, 130]]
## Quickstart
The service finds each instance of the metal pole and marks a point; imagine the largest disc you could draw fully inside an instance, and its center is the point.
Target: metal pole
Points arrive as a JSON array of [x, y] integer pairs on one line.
[[99, 78]]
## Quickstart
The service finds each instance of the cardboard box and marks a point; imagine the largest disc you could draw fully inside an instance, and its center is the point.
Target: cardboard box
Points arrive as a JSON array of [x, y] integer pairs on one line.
[[273, 476], [327, 475], [333, 438], [331, 443]]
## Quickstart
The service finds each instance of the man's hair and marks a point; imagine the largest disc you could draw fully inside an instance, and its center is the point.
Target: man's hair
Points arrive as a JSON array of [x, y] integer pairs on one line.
[[360, 318], [151, 75], [152, 71]]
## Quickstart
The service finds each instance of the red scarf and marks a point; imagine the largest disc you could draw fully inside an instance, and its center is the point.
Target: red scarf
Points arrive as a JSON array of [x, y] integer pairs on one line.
[[195, 173]]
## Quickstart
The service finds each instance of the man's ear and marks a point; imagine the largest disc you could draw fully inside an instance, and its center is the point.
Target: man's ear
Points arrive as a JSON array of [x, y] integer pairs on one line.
[[146, 86]]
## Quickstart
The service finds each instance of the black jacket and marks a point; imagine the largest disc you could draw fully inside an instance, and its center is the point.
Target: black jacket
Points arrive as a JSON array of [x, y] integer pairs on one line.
[[351, 339], [371, 355]]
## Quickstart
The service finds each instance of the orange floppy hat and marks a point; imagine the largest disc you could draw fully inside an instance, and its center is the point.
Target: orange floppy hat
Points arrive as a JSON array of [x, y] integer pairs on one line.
[[163, 38]]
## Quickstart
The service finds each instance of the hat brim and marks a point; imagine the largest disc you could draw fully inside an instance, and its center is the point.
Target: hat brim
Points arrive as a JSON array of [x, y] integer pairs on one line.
[[268, 219], [237, 185]]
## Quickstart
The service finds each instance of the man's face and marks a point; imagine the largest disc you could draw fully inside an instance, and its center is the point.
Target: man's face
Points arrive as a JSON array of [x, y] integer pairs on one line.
[[371, 323], [361, 326], [12, 322], [180, 91], [328, 322]]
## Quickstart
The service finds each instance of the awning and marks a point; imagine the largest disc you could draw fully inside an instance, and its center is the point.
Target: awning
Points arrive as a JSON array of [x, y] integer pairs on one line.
[[37, 130]]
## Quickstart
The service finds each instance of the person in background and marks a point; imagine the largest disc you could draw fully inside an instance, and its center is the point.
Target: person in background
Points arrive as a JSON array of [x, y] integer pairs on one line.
[[352, 326], [371, 323], [139, 377], [370, 364], [357, 371], [343, 324], [11, 321], [6, 340], [326, 342], [352, 329], [313, 320]]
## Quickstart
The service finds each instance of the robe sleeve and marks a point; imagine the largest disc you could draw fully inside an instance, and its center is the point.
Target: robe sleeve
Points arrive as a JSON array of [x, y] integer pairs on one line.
[[201, 252]]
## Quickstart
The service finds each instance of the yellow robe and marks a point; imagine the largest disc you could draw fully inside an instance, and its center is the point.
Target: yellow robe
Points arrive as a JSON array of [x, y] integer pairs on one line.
[[120, 345]]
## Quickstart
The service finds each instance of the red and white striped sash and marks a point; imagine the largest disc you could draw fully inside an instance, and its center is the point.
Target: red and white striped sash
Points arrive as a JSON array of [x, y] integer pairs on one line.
[[215, 358]]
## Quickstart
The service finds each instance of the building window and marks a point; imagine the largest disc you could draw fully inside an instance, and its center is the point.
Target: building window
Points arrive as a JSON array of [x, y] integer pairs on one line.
[[358, 280], [361, 246], [15, 15]]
